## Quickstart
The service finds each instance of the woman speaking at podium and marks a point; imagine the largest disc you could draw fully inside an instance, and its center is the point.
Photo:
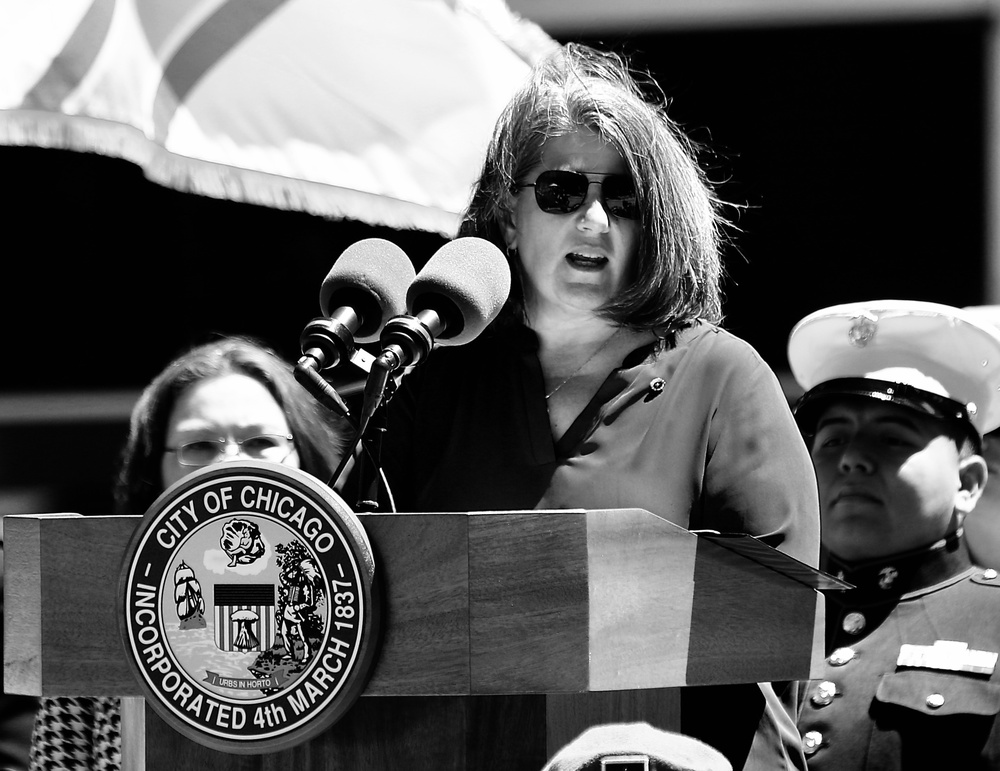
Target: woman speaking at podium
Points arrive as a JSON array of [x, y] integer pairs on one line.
[[607, 382], [231, 398]]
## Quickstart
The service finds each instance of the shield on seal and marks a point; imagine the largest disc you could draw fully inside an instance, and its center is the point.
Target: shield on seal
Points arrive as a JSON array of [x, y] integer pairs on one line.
[[244, 617]]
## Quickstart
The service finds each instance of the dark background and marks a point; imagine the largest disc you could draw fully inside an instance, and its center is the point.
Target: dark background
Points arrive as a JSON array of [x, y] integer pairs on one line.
[[855, 154], [858, 150]]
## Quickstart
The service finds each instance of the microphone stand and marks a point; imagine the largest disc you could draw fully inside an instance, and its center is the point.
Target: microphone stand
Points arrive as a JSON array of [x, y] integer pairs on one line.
[[373, 449], [375, 419], [405, 341], [307, 373]]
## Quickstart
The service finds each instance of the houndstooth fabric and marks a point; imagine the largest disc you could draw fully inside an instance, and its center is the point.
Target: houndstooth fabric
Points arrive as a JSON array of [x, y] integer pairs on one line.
[[76, 734]]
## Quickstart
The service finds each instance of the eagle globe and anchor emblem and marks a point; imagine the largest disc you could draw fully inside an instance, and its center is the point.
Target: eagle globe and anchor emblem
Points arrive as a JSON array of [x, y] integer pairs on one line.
[[248, 612]]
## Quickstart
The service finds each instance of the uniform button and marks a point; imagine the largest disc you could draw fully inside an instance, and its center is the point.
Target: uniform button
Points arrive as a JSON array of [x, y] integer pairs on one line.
[[853, 623], [811, 741], [824, 694], [841, 656], [935, 701], [657, 384], [989, 574]]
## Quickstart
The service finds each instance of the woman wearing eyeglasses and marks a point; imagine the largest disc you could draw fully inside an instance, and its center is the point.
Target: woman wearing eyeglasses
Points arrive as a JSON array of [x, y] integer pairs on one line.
[[607, 381], [229, 399]]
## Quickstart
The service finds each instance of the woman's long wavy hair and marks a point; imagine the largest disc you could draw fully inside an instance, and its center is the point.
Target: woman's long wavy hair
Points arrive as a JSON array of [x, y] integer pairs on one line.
[[678, 271], [318, 437]]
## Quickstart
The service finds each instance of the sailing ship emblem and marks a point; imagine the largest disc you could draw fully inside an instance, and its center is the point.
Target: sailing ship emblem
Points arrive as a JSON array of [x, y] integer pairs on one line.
[[188, 597]]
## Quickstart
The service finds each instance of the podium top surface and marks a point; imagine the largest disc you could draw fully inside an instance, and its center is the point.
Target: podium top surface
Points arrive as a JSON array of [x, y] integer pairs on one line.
[[482, 602]]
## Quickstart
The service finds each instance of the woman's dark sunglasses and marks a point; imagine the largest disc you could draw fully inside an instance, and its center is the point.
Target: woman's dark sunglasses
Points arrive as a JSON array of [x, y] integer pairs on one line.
[[562, 192]]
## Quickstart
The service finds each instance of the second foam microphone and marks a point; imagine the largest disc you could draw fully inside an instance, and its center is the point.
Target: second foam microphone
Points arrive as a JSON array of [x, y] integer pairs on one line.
[[453, 298], [451, 301]]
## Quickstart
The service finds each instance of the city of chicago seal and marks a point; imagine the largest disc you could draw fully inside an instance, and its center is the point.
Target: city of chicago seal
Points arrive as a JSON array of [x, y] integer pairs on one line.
[[248, 610]]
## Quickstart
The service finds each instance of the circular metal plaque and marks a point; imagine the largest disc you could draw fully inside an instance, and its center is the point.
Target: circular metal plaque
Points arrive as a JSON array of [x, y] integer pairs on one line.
[[247, 606]]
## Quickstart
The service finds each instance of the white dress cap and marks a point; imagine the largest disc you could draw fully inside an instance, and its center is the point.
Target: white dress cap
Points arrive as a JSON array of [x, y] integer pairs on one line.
[[939, 349], [636, 745]]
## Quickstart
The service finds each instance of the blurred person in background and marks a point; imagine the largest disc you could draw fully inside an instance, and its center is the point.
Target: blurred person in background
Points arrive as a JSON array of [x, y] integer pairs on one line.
[[229, 399]]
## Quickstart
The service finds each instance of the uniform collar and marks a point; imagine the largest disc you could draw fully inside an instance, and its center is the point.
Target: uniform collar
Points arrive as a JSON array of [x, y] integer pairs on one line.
[[898, 574]]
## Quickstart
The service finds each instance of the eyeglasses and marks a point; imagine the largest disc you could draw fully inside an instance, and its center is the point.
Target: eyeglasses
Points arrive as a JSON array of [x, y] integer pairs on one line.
[[562, 192], [205, 452]]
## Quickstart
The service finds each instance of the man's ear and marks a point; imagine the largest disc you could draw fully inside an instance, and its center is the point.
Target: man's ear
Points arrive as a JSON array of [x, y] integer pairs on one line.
[[972, 476]]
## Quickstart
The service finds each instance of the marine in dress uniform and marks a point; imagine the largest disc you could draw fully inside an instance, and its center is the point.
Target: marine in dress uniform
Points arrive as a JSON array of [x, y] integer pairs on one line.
[[897, 398]]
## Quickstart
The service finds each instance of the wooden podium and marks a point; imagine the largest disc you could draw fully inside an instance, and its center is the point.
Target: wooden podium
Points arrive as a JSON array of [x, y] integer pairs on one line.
[[505, 634]]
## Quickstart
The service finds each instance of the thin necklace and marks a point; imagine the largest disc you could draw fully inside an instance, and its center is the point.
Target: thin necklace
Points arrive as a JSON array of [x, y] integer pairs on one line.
[[577, 371]]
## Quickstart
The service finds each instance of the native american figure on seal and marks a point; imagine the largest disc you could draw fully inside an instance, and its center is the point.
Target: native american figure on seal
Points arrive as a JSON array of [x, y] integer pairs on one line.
[[303, 591]]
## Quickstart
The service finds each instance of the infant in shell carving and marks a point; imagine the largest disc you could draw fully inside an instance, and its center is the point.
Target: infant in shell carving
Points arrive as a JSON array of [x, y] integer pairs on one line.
[[241, 542]]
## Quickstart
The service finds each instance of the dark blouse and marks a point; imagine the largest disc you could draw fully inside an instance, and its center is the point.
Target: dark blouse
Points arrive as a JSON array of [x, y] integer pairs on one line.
[[698, 432], [695, 429]]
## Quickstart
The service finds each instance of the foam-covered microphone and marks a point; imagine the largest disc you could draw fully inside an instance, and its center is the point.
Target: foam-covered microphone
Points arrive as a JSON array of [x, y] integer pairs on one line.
[[451, 301], [365, 287], [453, 298]]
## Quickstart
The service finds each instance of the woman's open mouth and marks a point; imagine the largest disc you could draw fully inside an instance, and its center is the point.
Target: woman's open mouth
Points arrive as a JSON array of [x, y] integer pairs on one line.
[[586, 261]]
